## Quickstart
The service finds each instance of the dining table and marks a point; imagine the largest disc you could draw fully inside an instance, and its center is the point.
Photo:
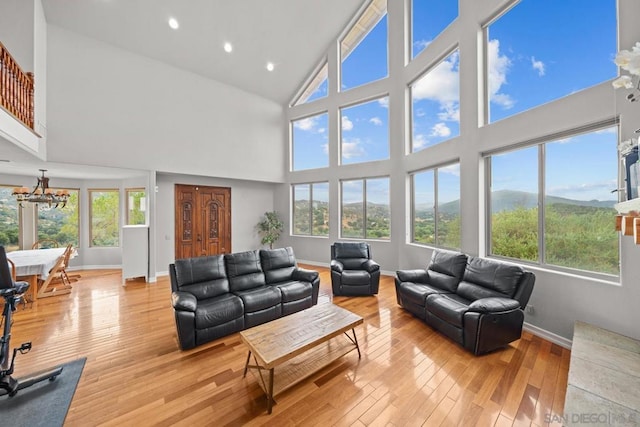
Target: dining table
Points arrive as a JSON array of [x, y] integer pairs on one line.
[[39, 265]]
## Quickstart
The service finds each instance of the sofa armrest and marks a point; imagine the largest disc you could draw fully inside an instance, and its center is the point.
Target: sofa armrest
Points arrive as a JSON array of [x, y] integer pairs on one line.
[[336, 266], [418, 276], [494, 305], [371, 266], [184, 301], [304, 274]]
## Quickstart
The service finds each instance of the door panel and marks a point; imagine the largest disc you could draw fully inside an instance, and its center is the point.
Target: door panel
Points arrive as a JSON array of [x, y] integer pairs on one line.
[[203, 220]]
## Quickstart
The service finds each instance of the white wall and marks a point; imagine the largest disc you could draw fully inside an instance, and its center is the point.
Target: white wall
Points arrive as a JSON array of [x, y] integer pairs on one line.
[[249, 201], [111, 107], [559, 299]]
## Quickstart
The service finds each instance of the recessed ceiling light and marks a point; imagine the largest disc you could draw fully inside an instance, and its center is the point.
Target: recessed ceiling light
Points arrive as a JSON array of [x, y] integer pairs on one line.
[[270, 66], [173, 23], [227, 47]]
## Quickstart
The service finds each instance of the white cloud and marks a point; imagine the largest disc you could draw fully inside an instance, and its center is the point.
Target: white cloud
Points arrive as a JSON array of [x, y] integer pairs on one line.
[[498, 69], [321, 130], [305, 124], [384, 102], [346, 123], [419, 141], [419, 45], [376, 121], [451, 169], [440, 130], [325, 148], [538, 66], [442, 85], [352, 148]]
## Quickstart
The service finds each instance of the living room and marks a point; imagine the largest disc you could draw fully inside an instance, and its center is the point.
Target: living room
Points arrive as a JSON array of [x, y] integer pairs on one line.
[[174, 126]]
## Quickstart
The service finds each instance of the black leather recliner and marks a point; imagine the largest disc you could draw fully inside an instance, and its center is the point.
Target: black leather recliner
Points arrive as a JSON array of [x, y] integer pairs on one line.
[[218, 295], [477, 302], [353, 272]]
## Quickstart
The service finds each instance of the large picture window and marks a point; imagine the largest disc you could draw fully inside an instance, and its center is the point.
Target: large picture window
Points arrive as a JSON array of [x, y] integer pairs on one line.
[[435, 104], [436, 206], [552, 203], [9, 219], [428, 19], [317, 88], [310, 144], [539, 51], [311, 209], [61, 224], [365, 132], [365, 209], [104, 208], [363, 51]]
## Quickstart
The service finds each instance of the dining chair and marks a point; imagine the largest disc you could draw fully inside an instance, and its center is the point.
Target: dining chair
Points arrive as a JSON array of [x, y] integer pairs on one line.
[[45, 244]]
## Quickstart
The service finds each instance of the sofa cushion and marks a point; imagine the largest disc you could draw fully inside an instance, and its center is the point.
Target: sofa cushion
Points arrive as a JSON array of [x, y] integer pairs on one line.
[[278, 264], [494, 275], [448, 307], [443, 281], [244, 271], [448, 262], [473, 292], [259, 298], [417, 293], [294, 290], [351, 250], [353, 263], [216, 311], [205, 277], [355, 277]]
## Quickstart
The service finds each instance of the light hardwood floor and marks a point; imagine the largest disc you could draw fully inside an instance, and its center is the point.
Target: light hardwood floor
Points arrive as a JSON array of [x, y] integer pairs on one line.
[[408, 375]]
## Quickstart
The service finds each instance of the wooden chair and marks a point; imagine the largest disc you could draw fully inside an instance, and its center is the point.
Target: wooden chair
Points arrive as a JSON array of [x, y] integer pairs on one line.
[[26, 299], [66, 278], [45, 243], [46, 288]]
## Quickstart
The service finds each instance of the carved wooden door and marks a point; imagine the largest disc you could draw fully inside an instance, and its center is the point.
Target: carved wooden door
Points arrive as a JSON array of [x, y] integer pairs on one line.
[[203, 220]]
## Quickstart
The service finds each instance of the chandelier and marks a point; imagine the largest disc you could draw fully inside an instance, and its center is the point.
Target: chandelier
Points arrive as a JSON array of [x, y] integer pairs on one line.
[[41, 193]]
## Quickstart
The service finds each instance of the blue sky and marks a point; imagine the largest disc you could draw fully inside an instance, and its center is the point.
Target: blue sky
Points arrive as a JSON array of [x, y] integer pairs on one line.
[[538, 51]]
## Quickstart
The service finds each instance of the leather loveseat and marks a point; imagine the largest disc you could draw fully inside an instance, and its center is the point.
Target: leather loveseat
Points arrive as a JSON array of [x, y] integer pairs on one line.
[[214, 296], [477, 302]]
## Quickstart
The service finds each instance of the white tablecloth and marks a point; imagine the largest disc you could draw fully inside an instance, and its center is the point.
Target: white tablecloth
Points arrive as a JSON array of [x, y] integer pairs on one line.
[[35, 261]]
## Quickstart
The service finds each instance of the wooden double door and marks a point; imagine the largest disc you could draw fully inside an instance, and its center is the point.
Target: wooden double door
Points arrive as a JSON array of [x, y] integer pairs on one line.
[[203, 220]]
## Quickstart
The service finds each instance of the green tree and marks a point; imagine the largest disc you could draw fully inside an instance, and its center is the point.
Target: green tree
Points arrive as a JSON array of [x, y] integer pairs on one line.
[[104, 218]]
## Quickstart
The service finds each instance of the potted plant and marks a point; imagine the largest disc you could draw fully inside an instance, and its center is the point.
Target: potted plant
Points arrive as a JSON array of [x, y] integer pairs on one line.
[[270, 228]]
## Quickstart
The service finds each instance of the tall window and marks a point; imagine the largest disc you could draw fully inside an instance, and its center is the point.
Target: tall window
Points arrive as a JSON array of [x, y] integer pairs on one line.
[[317, 88], [310, 144], [365, 209], [435, 104], [311, 209], [363, 51], [104, 208], [428, 19], [9, 220], [365, 132], [552, 203], [136, 206], [534, 56], [61, 224], [436, 206]]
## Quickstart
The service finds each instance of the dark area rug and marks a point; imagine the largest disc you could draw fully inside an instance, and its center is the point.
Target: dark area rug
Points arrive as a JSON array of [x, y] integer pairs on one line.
[[45, 403]]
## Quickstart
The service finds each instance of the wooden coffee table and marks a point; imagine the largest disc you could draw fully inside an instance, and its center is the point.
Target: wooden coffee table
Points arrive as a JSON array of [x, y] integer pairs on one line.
[[299, 345]]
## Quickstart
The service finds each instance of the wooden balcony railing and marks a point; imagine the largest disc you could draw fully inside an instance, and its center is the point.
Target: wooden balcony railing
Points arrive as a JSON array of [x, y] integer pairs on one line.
[[16, 88]]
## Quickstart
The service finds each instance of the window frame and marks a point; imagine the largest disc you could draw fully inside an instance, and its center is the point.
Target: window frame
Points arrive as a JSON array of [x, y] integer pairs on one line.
[[292, 144], [90, 191], [436, 190], [364, 207], [540, 144], [310, 213]]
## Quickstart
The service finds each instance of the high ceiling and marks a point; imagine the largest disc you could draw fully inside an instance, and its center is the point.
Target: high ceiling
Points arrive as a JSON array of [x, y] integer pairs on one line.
[[292, 34]]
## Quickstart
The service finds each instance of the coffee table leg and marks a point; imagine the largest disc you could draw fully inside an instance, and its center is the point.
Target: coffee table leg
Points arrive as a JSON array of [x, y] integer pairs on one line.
[[355, 339], [270, 394], [246, 365]]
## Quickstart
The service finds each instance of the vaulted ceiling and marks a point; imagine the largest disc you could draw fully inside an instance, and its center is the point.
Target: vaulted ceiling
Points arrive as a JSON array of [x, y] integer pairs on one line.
[[292, 34]]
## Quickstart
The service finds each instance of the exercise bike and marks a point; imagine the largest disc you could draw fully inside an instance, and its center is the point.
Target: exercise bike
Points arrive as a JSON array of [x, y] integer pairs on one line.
[[12, 293]]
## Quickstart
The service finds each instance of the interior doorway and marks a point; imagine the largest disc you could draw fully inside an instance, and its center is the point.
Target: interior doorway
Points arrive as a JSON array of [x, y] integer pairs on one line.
[[203, 220]]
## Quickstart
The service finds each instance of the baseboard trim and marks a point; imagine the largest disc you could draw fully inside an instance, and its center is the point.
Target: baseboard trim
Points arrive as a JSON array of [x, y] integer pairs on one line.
[[549, 336]]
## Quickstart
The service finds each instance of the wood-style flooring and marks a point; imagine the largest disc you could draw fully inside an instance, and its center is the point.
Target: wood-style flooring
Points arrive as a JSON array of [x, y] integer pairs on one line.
[[409, 374]]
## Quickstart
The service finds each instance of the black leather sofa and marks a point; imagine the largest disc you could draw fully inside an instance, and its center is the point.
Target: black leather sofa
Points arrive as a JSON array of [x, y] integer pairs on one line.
[[214, 296], [477, 302]]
